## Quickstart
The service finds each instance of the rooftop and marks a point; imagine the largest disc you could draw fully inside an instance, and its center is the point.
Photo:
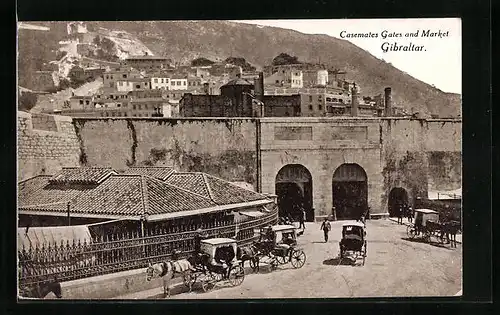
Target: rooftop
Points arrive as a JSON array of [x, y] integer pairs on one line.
[[155, 192], [238, 81], [147, 57]]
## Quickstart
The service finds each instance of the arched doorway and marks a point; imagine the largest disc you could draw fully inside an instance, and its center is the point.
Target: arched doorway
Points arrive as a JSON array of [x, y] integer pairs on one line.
[[397, 197], [294, 189], [349, 191]]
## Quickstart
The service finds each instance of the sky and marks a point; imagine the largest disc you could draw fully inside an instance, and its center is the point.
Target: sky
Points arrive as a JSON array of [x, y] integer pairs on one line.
[[439, 63]]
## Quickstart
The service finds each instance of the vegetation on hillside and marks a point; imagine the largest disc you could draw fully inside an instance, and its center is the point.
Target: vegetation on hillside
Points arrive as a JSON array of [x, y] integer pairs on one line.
[[107, 49], [240, 61], [201, 62], [284, 59]]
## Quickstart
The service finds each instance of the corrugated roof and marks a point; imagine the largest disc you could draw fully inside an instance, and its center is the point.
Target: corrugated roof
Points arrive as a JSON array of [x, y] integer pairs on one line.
[[82, 175], [38, 236], [159, 172]]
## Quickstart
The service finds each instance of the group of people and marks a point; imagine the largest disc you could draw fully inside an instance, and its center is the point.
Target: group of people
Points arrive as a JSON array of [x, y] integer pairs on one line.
[[404, 211]]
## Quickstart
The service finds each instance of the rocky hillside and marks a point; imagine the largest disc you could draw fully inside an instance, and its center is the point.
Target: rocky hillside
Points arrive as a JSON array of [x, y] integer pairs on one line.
[[217, 40]]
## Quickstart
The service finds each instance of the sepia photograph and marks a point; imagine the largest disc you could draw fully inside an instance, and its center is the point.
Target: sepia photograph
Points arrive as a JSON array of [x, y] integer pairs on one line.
[[239, 159]]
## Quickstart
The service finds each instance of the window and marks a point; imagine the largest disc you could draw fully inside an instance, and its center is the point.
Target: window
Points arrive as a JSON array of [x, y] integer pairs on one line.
[[310, 107], [310, 98], [162, 80], [156, 80], [81, 102], [87, 102], [111, 77], [320, 107], [277, 81], [189, 83], [124, 76], [118, 105], [134, 107], [139, 107], [178, 83], [328, 99], [341, 100], [138, 86]]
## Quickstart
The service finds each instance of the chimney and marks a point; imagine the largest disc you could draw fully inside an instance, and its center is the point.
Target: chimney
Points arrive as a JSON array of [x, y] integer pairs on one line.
[[259, 87], [388, 102], [354, 100]]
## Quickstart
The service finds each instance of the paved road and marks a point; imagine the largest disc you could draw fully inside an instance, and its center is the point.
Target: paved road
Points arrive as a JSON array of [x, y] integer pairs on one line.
[[394, 267]]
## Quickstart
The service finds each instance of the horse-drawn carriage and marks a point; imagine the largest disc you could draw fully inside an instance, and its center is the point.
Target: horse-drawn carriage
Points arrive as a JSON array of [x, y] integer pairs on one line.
[[353, 242], [278, 246], [215, 262], [427, 224]]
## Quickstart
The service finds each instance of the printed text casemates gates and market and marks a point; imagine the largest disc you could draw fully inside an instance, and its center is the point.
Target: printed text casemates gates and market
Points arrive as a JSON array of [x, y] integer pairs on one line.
[[386, 46]]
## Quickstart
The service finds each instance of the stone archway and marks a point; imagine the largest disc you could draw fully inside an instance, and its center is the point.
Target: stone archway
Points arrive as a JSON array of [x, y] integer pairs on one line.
[[397, 197], [349, 191], [294, 189]]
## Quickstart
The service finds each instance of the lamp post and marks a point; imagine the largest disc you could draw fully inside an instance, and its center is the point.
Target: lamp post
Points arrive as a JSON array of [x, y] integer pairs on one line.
[[68, 208]]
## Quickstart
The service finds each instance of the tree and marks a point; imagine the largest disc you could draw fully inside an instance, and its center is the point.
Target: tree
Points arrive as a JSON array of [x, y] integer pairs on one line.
[[285, 59], [200, 62], [239, 61], [27, 101]]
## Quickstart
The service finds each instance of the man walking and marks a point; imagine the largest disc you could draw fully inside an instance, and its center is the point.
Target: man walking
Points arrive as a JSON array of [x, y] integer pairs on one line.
[[326, 227], [302, 218]]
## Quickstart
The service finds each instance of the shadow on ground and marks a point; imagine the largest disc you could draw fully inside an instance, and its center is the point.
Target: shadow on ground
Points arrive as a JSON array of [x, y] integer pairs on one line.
[[337, 261], [423, 241]]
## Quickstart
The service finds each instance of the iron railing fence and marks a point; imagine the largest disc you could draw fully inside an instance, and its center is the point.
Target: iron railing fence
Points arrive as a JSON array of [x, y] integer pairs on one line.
[[121, 252]]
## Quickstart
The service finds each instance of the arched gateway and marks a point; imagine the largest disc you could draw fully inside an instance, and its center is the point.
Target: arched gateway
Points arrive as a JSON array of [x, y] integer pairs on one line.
[[294, 190], [397, 197], [350, 191]]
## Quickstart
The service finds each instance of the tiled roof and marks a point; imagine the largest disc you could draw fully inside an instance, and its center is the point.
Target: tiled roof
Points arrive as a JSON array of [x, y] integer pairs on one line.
[[220, 191], [38, 193], [161, 173], [223, 192], [165, 198], [117, 195], [142, 191], [81, 175], [194, 182]]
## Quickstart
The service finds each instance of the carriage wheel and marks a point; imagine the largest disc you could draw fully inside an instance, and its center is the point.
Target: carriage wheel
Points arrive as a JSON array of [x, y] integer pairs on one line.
[[273, 263], [254, 264], [208, 282], [298, 258], [410, 231], [282, 259], [427, 236], [189, 279], [236, 275]]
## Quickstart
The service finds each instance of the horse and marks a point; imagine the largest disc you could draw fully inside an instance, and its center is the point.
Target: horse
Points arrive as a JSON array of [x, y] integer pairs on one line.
[[167, 271], [41, 290], [250, 254], [450, 229]]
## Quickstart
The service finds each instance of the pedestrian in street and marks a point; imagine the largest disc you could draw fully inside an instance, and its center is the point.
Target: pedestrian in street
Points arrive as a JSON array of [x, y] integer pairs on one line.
[[410, 214], [400, 214], [326, 227], [302, 218]]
